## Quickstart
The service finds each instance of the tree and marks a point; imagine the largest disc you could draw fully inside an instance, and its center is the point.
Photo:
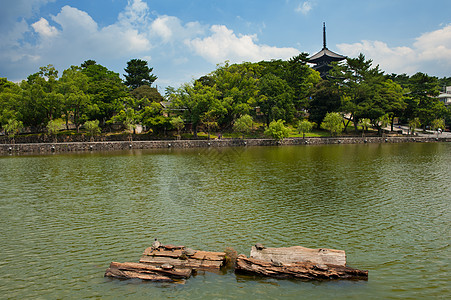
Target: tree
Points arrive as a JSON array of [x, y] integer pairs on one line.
[[178, 124], [152, 116], [333, 122], [438, 124], [422, 102], [92, 127], [104, 88], [77, 102], [10, 101], [326, 98], [237, 90], [195, 100], [365, 123], [302, 80], [129, 115], [138, 74], [305, 126], [54, 126], [145, 91], [243, 124], [413, 124], [41, 98], [361, 84], [276, 98], [277, 130], [12, 128]]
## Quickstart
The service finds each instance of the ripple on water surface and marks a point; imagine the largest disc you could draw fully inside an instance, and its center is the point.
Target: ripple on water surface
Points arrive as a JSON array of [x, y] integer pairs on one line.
[[65, 217]]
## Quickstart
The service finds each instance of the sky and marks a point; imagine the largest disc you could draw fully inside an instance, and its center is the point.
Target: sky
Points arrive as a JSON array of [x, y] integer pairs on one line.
[[184, 40]]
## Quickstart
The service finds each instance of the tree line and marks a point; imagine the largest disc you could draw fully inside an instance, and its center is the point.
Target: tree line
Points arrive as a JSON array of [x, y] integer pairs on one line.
[[291, 91], [83, 93], [278, 90]]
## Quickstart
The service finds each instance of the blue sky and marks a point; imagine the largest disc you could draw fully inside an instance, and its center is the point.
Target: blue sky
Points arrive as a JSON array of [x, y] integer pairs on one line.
[[183, 40]]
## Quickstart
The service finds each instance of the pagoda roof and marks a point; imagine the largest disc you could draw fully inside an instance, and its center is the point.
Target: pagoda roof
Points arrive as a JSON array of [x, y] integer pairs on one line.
[[325, 54]]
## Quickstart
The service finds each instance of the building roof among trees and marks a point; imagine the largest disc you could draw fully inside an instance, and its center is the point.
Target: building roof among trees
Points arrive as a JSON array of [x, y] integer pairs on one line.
[[324, 57]]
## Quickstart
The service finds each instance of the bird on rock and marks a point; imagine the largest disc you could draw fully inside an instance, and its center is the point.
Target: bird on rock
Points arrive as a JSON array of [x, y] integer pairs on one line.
[[156, 244]]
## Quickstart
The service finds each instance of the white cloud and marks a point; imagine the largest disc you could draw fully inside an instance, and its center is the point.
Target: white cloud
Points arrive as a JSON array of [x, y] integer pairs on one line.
[[304, 7], [223, 44], [170, 29], [430, 53], [44, 29]]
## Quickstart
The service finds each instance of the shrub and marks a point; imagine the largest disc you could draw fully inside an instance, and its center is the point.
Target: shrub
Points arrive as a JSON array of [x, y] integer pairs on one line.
[[277, 130]]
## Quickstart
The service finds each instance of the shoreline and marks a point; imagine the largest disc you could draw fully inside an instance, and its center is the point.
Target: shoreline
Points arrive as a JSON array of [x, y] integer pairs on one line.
[[74, 147]]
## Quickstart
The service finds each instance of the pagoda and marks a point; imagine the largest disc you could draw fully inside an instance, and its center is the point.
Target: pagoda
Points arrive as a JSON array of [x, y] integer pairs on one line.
[[323, 58]]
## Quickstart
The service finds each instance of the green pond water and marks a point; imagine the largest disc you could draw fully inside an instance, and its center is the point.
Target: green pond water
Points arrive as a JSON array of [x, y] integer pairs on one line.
[[64, 218]]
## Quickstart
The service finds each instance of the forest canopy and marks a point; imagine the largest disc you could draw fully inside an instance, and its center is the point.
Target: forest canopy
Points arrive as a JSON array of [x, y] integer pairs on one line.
[[288, 90]]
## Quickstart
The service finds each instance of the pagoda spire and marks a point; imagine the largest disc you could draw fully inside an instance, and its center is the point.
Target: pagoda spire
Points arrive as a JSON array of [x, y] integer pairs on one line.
[[324, 57]]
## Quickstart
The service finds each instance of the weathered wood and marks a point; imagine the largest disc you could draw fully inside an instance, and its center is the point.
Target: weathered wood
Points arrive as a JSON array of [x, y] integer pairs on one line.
[[301, 270], [197, 264], [288, 255], [163, 253], [150, 269], [206, 255], [200, 260], [130, 270], [121, 274], [172, 247]]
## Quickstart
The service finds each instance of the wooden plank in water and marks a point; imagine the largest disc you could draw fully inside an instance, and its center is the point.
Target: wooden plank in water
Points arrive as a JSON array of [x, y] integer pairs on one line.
[[180, 263], [301, 270], [288, 255], [151, 269], [163, 253], [115, 272], [206, 255]]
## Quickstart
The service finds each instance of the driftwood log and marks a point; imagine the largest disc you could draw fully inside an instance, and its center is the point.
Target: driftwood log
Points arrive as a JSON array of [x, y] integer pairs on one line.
[[131, 270], [288, 255], [167, 263], [300, 270], [181, 258], [298, 262]]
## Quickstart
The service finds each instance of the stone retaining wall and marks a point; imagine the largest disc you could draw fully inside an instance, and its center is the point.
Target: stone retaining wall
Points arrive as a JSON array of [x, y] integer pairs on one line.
[[45, 148]]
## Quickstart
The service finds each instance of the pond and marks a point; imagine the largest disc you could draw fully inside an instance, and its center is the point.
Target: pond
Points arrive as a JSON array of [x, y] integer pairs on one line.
[[65, 217]]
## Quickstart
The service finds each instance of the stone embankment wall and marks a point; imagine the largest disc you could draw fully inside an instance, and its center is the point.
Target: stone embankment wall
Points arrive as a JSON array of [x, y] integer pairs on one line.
[[45, 148]]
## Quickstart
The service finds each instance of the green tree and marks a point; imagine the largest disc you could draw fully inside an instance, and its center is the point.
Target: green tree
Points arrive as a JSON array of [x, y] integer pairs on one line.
[[422, 102], [92, 127], [129, 114], [12, 128], [152, 116], [325, 98], [73, 85], [277, 130], [304, 127], [243, 124], [138, 74], [195, 100], [361, 85], [145, 91], [237, 90], [438, 124], [10, 101], [413, 124], [54, 126], [302, 79], [178, 124], [365, 123], [41, 99], [333, 122], [105, 87], [276, 98], [209, 120]]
